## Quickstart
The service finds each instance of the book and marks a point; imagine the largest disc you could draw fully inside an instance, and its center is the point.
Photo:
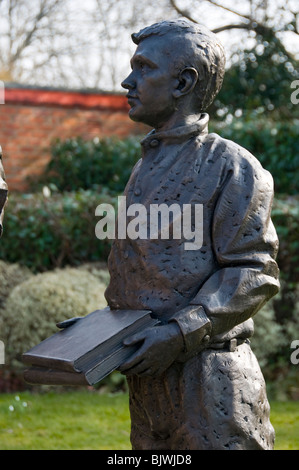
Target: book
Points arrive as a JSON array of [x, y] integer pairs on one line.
[[88, 350], [44, 376]]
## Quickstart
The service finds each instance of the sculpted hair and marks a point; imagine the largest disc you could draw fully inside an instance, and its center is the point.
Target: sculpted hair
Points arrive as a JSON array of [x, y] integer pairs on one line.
[[200, 49]]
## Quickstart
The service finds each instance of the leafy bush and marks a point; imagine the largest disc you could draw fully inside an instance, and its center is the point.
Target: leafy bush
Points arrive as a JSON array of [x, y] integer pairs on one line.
[[272, 339], [259, 81], [10, 276], [97, 269], [91, 164], [33, 308], [48, 232], [272, 345], [285, 215]]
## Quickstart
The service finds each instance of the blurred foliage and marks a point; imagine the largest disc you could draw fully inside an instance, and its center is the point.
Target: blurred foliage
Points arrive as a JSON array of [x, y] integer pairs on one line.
[[48, 232], [10, 276], [258, 83], [285, 215], [77, 163], [271, 344]]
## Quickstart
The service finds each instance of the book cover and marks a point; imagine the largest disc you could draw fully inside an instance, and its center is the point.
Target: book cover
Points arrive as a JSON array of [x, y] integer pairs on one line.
[[93, 346]]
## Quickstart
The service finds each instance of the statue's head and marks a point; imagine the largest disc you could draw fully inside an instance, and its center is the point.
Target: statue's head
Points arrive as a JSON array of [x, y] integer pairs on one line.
[[176, 62]]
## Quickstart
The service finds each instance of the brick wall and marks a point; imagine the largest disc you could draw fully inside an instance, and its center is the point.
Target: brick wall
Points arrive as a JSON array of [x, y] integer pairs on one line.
[[32, 118]]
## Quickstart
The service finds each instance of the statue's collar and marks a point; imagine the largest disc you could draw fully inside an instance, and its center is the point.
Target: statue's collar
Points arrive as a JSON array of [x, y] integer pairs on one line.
[[177, 134]]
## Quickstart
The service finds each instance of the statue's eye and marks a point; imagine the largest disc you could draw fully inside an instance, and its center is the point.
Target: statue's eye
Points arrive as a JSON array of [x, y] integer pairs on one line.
[[141, 65]]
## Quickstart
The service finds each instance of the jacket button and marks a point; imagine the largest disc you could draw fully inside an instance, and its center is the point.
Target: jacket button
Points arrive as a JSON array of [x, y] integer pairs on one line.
[[137, 192], [154, 143], [206, 339]]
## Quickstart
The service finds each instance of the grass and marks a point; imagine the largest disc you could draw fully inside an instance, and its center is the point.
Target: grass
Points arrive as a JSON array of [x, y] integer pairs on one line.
[[75, 420], [89, 420], [285, 419]]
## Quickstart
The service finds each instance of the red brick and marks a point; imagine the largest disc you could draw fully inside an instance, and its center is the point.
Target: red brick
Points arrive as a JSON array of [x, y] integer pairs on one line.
[[32, 119]]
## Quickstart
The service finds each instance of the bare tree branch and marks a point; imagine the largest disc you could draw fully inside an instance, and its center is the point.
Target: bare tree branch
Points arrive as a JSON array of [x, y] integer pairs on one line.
[[229, 10], [250, 23], [45, 10], [232, 26], [184, 13]]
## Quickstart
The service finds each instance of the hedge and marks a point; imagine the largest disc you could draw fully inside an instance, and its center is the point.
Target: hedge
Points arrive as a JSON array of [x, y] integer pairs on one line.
[[43, 233], [107, 163], [78, 164]]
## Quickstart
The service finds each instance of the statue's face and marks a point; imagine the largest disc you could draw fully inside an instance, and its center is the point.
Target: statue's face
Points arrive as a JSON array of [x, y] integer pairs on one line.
[[151, 83]]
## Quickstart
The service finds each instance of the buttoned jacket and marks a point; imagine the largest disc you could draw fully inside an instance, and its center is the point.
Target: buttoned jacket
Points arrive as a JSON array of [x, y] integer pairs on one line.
[[234, 272]]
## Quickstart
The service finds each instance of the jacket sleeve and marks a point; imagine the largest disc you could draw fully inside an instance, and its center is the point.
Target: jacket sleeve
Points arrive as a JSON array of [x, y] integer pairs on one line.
[[245, 245]]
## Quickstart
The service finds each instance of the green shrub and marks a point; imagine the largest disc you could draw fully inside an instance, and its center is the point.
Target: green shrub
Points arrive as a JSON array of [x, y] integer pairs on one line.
[[34, 307], [10, 276], [97, 269], [258, 81], [76, 164], [43, 233], [285, 215], [272, 345], [268, 339]]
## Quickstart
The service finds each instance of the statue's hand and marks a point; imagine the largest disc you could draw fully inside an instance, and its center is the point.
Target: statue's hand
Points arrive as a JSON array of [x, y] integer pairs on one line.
[[160, 346], [66, 323]]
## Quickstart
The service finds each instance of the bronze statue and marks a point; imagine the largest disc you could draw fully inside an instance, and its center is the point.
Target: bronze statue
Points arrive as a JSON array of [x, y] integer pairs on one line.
[[194, 382]]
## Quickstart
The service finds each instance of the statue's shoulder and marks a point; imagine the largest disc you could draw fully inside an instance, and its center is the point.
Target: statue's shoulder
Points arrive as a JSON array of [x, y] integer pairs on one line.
[[233, 152]]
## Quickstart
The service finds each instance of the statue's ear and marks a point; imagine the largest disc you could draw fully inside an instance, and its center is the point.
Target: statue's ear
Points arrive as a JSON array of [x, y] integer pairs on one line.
[[187, 80]]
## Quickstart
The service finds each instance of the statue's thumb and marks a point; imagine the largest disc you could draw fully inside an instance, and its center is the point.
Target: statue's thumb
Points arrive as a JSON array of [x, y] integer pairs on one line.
[[133, 340]]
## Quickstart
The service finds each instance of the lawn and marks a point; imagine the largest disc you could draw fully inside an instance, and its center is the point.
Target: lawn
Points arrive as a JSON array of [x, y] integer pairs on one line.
[[75, 420], [89, 420]]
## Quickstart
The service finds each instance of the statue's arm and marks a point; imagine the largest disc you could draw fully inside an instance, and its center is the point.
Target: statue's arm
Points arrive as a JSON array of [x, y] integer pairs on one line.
[[245, 245]]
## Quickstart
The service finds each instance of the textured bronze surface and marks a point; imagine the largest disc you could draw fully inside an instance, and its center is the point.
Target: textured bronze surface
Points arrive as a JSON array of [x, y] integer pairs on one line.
[[194, 382]]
